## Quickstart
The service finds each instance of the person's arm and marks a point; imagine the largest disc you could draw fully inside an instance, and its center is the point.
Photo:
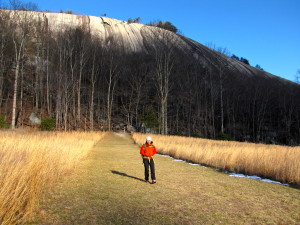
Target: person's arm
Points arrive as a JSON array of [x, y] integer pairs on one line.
[[142, 150], [154, 150]]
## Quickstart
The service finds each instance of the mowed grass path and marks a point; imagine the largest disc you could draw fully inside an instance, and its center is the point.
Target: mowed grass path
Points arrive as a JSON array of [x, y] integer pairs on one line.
[[108, 188]]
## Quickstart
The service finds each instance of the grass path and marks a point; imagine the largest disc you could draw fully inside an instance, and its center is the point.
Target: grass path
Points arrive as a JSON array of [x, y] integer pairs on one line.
[[108, 188]]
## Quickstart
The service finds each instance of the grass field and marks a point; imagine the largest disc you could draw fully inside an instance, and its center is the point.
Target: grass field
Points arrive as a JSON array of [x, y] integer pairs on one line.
[[108, 188], [105, 185], [281, 163], [30, 162]]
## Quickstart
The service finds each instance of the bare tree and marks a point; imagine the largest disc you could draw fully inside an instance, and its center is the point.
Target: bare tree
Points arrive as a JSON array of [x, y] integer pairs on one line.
[[136, 83], [221, 50], [112, 77], [83, 41], [5, 43], [20, 24], [63, 85], [19, 5], [163, 49], [95, 73], [298, 77]]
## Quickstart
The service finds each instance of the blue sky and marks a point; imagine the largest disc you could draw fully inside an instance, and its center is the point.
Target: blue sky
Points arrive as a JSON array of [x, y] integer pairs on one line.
[[266, 32]]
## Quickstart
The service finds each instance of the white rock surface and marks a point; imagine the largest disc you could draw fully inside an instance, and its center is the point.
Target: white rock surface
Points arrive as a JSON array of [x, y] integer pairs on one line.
[[132, 36]]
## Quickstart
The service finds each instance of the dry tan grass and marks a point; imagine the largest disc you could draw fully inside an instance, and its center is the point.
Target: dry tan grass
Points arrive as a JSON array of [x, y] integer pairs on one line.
[[31, 162], [272, 161], [109, 188]]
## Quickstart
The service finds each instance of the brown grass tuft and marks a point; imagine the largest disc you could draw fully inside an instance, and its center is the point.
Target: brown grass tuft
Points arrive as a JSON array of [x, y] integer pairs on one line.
[[271, 161], [31, 162]]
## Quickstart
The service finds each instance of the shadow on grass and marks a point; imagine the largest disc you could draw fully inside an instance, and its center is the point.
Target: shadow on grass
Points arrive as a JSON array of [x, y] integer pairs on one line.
[[126, 175]]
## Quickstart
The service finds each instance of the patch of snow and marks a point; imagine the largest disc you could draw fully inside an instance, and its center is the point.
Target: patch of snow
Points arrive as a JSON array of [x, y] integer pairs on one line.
[[179, 160], [255, 178], [164, 155], [195, 164], [239, 175]]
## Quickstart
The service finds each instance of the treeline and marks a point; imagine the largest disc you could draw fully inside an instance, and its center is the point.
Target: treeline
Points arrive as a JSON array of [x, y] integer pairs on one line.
[[225, 52], [246, 61], [86, 82]]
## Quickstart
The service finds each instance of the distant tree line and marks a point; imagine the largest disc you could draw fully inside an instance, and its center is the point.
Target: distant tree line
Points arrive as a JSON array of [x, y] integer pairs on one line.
[[66, 11], [85, 82], [164, 25], [225, 52], [19, 5], [136, 20], [243, 60], [246, 61], [297, 77]]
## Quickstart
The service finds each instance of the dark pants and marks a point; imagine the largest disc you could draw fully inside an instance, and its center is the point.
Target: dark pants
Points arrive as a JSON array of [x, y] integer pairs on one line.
[[150, 163]]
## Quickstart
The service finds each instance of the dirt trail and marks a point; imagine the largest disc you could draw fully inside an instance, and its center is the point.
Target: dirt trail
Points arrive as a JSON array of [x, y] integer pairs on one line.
[[108, 188]]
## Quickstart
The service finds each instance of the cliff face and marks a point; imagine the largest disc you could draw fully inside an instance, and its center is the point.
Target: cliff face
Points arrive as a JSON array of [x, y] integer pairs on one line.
[[105, 28], [133, 36], [89, 78]]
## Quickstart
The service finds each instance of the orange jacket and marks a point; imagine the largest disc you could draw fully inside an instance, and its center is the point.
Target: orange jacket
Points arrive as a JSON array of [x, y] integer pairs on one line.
[[149, 151]]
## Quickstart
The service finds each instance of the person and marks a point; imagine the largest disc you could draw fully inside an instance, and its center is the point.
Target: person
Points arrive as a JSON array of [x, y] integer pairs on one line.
[[147, 152]]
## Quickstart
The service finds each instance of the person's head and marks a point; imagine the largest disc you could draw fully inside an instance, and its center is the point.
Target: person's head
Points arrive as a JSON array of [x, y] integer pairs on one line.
[[149, 140]]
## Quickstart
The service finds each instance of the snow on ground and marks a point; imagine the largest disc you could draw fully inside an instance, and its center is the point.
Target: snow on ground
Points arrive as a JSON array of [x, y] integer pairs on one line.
[[255, 178], [239, 175]]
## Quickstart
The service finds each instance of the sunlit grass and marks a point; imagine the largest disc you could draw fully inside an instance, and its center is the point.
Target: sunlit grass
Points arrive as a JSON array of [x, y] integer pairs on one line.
[[108, 188], [272, 161], [30, 162]]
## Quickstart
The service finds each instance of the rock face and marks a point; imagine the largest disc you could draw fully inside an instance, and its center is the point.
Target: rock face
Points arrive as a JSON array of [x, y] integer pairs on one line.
[[105, 28], [132, 37], [193, 89], [34, 119]]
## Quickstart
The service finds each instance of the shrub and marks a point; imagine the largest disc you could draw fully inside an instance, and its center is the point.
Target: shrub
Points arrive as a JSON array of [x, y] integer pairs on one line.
[[224, 137], [167, 26], [47, 124], [197, 136], [164, 25], [150, 120], [3, 123]]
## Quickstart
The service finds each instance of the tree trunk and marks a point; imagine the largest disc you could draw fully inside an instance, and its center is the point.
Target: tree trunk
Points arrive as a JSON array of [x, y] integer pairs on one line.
[[221, 101], [18, 53], [15, 93], [47, 82], [1, 68], [93, 81]]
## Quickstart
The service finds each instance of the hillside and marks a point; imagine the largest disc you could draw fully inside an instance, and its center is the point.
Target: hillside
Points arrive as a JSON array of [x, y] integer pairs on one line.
[[132, 37], [91, 73]]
